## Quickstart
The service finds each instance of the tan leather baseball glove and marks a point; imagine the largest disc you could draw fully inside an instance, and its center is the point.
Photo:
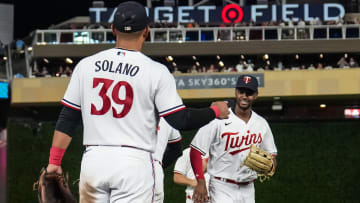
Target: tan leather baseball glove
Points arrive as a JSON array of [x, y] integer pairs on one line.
[[260, 161], [53, 187]]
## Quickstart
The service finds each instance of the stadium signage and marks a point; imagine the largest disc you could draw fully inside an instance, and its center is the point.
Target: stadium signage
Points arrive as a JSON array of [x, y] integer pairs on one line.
[[232, 13], [212, 81]]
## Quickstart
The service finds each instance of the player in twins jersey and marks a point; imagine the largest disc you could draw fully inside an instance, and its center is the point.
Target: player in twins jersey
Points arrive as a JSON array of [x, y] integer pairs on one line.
[[120, 94], [184, 175], [168, 138], [227, 142]]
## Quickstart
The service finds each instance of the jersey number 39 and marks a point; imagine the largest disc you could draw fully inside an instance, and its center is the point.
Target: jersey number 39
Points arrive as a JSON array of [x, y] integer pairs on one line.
[[106, 101]]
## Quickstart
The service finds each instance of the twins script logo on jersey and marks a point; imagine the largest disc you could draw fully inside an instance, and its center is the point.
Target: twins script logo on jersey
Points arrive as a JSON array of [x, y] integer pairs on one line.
[[237, 144]]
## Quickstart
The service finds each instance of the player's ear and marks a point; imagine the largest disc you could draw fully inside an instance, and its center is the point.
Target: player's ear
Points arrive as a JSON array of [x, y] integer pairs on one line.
[[146, 32], [113, 30]]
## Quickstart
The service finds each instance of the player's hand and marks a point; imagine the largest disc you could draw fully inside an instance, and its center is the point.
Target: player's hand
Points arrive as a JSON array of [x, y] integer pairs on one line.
[[200, 193], [193, 183], [51, 168], [223, 108]]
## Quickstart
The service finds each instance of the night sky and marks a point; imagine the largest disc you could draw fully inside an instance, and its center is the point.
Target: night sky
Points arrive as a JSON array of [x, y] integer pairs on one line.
[[40, 14]]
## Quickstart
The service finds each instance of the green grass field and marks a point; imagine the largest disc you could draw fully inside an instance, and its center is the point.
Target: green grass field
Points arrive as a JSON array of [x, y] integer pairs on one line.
[[317, 162]]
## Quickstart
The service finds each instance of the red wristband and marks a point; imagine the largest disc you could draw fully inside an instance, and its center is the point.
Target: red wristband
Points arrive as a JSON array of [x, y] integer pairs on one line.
[[56, 155], [216, 110]]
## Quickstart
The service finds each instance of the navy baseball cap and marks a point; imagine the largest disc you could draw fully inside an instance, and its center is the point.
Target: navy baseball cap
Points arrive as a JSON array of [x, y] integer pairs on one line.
[[130, 17], [247, 81]]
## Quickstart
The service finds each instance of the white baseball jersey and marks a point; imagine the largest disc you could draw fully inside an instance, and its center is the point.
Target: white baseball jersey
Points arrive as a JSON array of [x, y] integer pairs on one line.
[[121, 93], [183, 166], [166, 134], [228, 141]]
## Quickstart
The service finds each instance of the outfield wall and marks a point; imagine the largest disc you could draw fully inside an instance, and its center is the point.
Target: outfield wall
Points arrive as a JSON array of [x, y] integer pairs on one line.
[[206, 86]]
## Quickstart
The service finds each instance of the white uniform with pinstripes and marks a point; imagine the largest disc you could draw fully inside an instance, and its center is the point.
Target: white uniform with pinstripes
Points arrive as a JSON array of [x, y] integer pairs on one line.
[[120, 94], [166, 134]]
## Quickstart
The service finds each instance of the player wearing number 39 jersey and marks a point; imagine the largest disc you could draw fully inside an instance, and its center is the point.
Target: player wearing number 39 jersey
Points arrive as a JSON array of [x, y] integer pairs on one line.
[[120, 94]]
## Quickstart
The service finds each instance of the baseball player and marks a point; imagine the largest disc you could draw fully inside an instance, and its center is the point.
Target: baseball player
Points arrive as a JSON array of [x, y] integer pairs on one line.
[[169, 140], [227, 142], [120, 94], [184, 175]]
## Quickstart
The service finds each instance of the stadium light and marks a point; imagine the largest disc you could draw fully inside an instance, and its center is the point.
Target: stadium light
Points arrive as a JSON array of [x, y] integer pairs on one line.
[[169, 58], [45, 60], [346, 55], [194, 58], [321, 56], [266, 57], [218, 57], [174, 64], [197, 63], [242, 56], [268, 62], [29, 49], [297, 56], [221, 64], [322, 106], [68, 60], [5, 58]]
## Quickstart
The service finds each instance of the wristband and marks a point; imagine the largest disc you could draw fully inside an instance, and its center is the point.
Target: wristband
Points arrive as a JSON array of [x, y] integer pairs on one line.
[[216, 111], [56, 155]]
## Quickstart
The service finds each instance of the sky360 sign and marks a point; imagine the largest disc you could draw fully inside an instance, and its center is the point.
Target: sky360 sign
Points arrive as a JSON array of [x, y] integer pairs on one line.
[[232, 13]]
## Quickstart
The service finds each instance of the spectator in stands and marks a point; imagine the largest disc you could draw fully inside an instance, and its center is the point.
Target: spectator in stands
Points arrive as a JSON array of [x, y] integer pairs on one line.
[[249, 66], [45, 71], [301, 29], [193, 69], [176, 70], [212, 69], [203, 69], [311, 67], [60, 72], [328, 67], [303, 67], [68, 71], [280, 66], [342, 63], [240, 66], [282, 23], [290, 23], [319, 66], [353, 63], [36, 72]]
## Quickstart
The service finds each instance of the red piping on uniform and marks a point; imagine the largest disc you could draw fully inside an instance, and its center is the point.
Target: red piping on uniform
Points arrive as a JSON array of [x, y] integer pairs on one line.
[[70, 106], [173, 111]]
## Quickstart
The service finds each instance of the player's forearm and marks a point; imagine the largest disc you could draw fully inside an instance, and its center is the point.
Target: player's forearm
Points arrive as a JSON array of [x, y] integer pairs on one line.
[[183, 180], [59, 145], [189, 118], [61, 140], [196, 163]]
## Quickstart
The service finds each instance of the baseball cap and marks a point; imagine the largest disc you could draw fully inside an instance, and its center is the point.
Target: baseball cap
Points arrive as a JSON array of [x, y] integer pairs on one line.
[[130, 17], [247, 81]]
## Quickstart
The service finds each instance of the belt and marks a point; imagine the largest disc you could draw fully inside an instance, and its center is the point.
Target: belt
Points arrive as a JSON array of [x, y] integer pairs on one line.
[[232, 181], [127, 146]]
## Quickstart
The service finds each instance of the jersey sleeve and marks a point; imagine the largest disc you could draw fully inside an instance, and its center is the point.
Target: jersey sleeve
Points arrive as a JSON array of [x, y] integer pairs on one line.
[[72, 97], [204, 137], [167, 100], [174, 136], [182, 164], [268, 144]]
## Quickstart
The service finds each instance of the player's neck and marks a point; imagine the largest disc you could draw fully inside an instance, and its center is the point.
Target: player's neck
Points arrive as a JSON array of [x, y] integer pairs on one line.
[[243, 114], [129, 45]]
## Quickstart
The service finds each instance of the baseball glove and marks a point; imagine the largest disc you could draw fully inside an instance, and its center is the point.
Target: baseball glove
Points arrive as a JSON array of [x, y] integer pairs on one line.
[[260, 161], [53, 188]]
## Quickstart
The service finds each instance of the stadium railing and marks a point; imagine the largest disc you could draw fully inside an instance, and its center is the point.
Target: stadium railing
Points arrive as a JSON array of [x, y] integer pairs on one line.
[[208, 34]]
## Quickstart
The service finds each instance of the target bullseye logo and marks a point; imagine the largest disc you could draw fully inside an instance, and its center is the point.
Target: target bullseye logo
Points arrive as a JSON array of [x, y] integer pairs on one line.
[[232, 13]]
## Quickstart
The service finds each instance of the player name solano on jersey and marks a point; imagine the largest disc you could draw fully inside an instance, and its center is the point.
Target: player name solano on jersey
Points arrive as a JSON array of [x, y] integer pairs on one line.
[[116, 67]]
